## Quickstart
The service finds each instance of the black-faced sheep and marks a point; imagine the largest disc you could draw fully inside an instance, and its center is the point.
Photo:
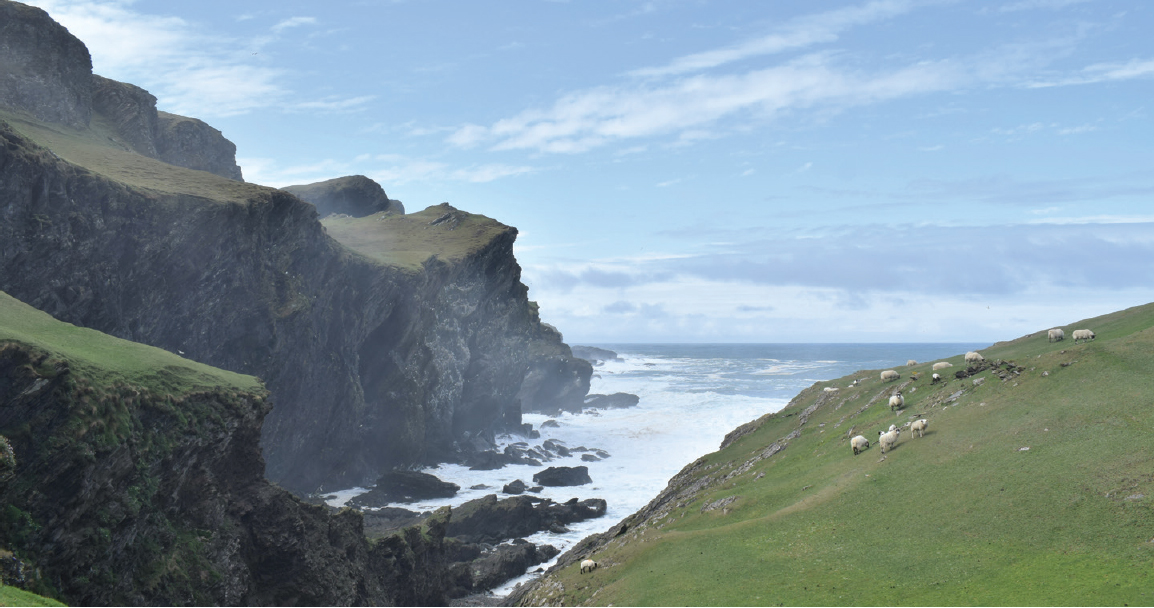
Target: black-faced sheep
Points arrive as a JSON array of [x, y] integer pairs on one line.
[[859, 444], [1083, 335], [936, 379], [942, 365], [889, 375], [897, 401], [588, 566], [888, 439], [974, 357], [1056, 335], [919, 427]]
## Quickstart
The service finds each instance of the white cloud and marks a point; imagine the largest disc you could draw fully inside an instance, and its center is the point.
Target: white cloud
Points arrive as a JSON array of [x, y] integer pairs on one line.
[[336, 104], [293, 22], [797, 33], [488, 173], [1103, 72]]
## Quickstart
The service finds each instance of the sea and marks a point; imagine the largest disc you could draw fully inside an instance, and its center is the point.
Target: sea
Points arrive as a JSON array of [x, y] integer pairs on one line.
[[691, 396]]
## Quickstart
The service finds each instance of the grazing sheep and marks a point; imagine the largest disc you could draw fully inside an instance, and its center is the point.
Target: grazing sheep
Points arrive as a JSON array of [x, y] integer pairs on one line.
[[1057, 335], [890, 375], [888, 439], [831, 389], [911, 362], [1083, 334], [893, 427], [942, 365], [936, 379], [919, 427], [859, 444], [897, 401], [588, 566], [974, 357]]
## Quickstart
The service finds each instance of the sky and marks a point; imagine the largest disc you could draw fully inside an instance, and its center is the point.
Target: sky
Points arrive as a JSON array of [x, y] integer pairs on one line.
[[708, 171]]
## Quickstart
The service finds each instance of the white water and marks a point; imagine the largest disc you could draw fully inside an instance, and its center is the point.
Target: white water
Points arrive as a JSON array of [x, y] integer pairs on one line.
[[690, 397]]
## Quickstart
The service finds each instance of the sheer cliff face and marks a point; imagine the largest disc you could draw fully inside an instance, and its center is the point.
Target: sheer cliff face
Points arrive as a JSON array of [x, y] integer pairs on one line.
[[370, 365], [45, 70]]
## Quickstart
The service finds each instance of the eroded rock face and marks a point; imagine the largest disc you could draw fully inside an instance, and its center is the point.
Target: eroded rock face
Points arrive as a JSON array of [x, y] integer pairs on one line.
[[44, 69], [489, 520], [354, 195], [192, 143]]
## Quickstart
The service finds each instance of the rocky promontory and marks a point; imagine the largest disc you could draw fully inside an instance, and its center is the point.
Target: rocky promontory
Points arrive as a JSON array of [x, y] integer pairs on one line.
[[354, 195]]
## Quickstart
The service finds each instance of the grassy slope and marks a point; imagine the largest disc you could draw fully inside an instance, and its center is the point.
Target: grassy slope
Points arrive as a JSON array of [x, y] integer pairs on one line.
[[98, 150], [407, 241], [106, 360], [961, 516], [11, 596]]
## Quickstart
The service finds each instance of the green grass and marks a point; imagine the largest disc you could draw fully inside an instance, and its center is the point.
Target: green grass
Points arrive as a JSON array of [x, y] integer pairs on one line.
[[106, 360], [99, 150], [408, 241], [11, 596], [961, 516]]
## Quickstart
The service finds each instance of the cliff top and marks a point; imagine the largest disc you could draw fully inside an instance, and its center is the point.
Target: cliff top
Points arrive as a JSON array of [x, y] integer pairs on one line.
[[1031, 485], [406, 241], [99, 149], [354, 195], [106, 360]]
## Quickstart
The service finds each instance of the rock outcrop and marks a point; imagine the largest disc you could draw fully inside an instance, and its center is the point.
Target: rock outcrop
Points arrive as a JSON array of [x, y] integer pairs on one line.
[[489, 520], [192, 143], [563, 476], [44, 69], [354, 195]]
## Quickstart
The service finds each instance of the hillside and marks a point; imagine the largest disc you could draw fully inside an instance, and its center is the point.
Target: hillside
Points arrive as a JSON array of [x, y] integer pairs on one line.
[[1034, 484]]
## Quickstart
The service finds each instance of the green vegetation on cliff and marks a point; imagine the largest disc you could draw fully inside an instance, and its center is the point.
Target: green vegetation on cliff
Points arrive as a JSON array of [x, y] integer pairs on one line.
[[11, 596], [105, 360], [1034, 484], [407, 241]]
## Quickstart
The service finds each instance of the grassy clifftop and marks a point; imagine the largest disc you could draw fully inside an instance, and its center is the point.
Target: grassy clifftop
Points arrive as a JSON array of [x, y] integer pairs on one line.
[[105, 359], [406, 241], [1033, 485]]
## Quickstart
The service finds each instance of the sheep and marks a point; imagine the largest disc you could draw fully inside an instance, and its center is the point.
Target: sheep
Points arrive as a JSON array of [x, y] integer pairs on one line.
[[942, 365], [1057, 335], [893, 427], [889, 375], [911, 362], [831, 389], [936, 379], [859, 444], [897, 401], [1083, 334], [974, 357], [588, 566], [919, 427], [888, 439]]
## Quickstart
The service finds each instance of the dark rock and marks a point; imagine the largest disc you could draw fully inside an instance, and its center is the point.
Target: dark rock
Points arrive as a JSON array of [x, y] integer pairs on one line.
[[194, 144], [382, 522], [45, 70], [502, 563], [556, 447], [489, 520], [555, 384], [616, 400], [550, 424], [479, 486], [602, 454], [514, 487], [536, 489], [590, 458], [354, 195], [563, 476], [594, 355], [405, 486]]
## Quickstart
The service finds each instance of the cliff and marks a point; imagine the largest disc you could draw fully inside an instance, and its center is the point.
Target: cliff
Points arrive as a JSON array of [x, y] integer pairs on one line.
[[354, 195], [139, 481], [375, 357]]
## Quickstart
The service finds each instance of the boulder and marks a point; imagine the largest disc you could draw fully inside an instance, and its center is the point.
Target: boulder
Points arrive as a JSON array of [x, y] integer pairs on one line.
[[405, 486], [514, 487], [616, 400], [563, 476]]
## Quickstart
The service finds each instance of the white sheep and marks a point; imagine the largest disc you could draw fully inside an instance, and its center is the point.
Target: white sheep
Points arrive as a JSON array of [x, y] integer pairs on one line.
[[889, 375], [919, 427], [588, 566], [897, 401], [888, 439], [859, 444], [1057, 335], [831, 389], [936, 379], [911, 362], [942, 365], [974, 357], [1083, 334]]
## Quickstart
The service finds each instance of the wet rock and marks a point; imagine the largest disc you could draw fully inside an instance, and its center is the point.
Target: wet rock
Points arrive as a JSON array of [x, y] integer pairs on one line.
[[594, 355], [550, 424], [489, 520], [514, 487], [590, 458], [616, 400], [405, 486], [563, 476]]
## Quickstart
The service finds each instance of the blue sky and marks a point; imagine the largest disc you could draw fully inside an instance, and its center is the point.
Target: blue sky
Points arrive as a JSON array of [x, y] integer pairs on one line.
[[683, 171]]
